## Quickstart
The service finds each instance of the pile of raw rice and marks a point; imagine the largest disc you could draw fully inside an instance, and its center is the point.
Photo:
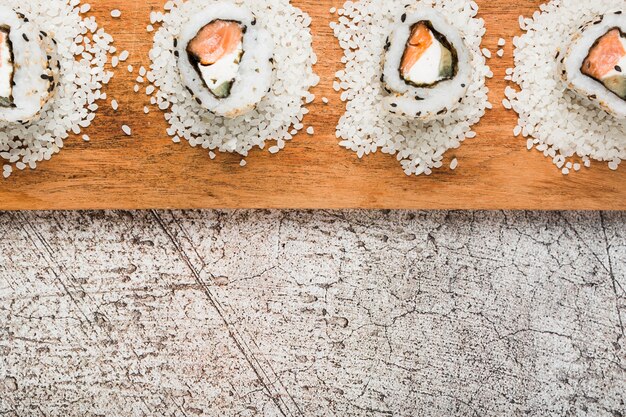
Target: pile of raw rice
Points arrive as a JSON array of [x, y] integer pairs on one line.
[[367, 127], [82, 50], [569, 130], [279, 115]]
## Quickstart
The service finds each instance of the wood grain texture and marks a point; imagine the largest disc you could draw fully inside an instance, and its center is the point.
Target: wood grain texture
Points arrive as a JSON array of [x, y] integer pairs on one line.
[[149, 171]]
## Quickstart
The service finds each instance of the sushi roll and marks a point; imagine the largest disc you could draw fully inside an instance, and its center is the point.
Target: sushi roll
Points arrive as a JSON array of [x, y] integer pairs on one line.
[[427, 69], [594, 66], [26, 68], [226, 59]]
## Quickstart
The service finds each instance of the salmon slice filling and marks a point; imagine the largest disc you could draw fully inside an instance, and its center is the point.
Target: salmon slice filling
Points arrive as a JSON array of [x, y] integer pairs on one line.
[[6, 68], [606, 62], [216, 53], [428, 57]]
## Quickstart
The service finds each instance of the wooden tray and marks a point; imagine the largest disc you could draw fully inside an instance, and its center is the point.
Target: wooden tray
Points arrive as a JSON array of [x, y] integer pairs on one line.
[[149, 171]]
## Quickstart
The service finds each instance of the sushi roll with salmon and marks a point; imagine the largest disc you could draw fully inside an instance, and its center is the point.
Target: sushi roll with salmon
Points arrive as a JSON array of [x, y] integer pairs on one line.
[[226, 59], [427, 69], [27, 68], [594, 66]]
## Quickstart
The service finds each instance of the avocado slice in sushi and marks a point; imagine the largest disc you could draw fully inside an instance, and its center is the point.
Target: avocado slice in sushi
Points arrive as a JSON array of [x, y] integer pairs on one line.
[[446, 66], [6, 67], [606, 62], [617, 85], [216, 53], [429, 58], [222, 91]]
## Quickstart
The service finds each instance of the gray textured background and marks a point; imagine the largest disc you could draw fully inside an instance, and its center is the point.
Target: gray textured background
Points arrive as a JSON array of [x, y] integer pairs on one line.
[[320, 314]]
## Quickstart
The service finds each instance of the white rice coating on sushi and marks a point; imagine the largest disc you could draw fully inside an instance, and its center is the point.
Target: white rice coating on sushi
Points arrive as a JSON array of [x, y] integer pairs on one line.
[[555, 120], [81, 48], [367, 127], [278, 114]]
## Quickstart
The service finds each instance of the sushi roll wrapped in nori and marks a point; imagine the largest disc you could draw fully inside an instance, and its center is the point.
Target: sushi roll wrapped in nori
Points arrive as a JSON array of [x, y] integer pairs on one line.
[[27, 75], [427, 69], [594, 65], [226, 59]]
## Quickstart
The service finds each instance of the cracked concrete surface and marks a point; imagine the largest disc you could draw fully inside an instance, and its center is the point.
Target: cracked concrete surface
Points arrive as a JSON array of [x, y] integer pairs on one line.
[[264, 313]]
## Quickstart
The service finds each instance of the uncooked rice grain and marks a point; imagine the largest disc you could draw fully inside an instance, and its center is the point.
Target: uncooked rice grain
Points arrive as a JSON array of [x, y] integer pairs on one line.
[[80, 82], [282, 108], [562, 125], [367, 127]]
